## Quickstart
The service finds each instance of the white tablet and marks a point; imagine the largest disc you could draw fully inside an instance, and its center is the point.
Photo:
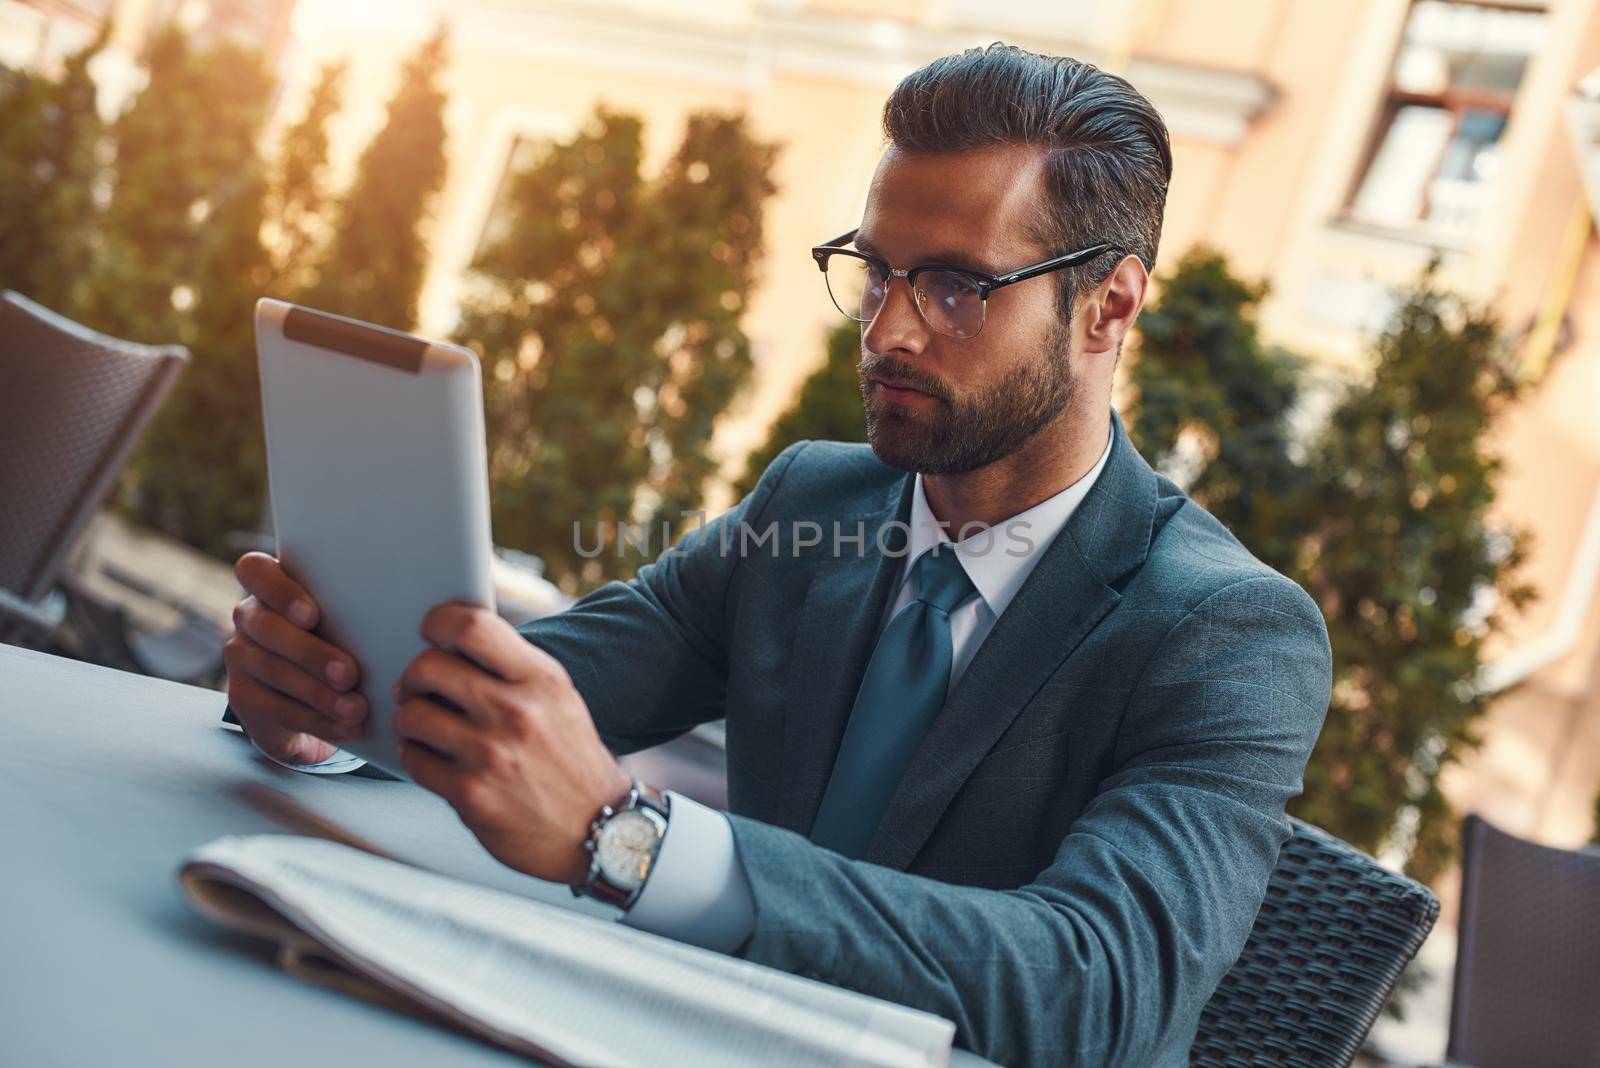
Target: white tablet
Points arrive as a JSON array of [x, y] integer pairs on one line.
[[379, 479]]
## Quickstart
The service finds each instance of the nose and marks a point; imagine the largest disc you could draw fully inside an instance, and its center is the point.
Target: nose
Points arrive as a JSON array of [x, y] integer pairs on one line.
[[898, 326]]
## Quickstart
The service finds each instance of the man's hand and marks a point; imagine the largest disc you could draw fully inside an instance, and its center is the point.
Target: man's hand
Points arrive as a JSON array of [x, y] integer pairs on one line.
[[493, 724], [289, 688]]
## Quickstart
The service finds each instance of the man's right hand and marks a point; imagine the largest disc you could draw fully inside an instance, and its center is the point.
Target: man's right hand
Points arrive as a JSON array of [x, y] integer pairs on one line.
[[292, 691]]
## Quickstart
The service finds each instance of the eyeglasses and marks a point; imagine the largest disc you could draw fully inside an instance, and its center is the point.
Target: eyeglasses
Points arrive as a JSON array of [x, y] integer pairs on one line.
[[951, 300]]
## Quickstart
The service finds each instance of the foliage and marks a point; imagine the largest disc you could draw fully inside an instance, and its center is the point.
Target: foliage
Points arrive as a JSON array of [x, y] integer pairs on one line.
[[299, 204], [607, 318], [1409, 573], [828, 407], [181, 260], [373, 270], [1382, 515], [49, 162], [168, 225], [1214, 404]]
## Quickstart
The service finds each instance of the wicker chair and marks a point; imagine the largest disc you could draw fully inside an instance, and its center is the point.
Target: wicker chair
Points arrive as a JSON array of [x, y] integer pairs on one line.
[[1333, 934], [1527, 981], [72, 404]]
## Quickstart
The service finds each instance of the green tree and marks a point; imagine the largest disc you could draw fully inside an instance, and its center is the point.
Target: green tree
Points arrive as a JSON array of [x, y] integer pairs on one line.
[[607, 317], [298, 199], [1382, 515], [201, 466], [707, 203], [185, 145], [373, 269], [1213, 404], [1410, 574], [181, 260], [50, 135], [827, 409]]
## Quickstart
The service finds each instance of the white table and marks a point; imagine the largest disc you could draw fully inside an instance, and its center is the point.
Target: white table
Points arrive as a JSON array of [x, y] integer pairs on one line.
[[107, 781]]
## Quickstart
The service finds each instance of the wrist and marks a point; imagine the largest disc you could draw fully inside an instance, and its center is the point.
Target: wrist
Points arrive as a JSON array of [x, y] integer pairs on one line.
[[621, 848]]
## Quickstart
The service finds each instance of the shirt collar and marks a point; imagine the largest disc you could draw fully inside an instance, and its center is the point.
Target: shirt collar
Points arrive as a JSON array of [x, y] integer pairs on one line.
[[1000, 559]]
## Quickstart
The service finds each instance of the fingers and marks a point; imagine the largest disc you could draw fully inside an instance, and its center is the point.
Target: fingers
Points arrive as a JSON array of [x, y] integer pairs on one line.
[[245, 657], [429, 770], [251, 698], [455, 679], [274, 633], [263, 577], [447, 733], [482, 636]]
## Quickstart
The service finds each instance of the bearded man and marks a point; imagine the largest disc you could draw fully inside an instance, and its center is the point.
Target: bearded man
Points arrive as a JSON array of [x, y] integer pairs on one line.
[[1011, 721]]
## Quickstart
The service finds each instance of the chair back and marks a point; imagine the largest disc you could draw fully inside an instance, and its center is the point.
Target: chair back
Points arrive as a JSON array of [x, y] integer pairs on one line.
[[72, 404], [1527, 980], [1334, 932]]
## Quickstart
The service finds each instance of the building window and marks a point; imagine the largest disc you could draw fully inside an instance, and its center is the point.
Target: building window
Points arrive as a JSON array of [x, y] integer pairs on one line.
[[1438, 140]]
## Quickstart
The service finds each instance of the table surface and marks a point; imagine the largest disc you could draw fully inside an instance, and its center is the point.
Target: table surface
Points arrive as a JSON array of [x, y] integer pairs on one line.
[[107, 782]]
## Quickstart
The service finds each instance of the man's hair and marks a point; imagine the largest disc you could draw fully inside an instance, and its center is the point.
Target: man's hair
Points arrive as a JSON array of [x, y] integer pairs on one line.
[[1109, 158]]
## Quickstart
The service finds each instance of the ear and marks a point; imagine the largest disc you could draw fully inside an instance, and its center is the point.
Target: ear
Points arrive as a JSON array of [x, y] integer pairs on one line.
[[1106, 313]]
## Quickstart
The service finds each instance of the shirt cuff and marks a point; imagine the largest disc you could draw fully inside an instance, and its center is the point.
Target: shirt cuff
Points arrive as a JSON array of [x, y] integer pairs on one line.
[[697, 891], [338, 764]]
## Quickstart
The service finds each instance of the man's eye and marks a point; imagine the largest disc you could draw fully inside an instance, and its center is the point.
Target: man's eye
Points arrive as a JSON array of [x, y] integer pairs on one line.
[[948, 288]]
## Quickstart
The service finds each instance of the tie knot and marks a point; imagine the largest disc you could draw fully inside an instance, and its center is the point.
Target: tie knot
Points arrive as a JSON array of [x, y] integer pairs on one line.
[[941, 580]]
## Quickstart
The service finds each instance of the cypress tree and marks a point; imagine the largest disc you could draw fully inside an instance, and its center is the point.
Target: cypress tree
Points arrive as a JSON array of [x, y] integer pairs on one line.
[[607, 317], [298, 200], [50, 134], [1411, 574], [1213, 405], [1381, 513], [374, 268], [182, 261]]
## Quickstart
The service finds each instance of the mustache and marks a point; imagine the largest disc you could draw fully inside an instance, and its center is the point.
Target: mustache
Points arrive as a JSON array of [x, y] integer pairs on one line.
[[874, 366]]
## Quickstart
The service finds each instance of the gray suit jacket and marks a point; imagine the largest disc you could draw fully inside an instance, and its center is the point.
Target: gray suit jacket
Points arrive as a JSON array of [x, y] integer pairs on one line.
[[1077, 852]]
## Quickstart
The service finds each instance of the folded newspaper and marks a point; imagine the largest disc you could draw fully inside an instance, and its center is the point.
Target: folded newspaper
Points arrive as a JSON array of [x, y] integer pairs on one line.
[[533, 977]]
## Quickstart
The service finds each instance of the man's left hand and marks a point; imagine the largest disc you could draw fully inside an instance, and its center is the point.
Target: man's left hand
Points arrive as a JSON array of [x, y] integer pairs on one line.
[[492, 724]]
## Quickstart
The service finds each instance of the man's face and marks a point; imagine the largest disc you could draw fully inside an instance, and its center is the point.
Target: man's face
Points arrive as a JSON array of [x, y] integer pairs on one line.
[[937, 404]]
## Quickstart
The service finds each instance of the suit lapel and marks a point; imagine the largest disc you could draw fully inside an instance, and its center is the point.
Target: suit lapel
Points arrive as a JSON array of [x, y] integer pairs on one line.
[[1069, 592], [835, 635]]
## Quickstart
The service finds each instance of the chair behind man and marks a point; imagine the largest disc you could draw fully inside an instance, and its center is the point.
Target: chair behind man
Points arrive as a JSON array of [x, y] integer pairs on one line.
[[1333, 934], [1528, 957], [72, 404]]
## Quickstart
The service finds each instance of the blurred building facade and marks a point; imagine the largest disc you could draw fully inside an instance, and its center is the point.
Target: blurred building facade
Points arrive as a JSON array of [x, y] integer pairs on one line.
[[40, 34], [1330, 149]]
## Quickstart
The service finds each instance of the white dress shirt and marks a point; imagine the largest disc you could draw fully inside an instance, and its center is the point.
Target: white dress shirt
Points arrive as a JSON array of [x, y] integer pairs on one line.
[[697, 891]]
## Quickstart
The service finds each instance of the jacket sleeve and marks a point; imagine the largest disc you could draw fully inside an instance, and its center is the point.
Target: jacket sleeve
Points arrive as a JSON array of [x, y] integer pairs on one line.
[[1109, 954], [649, 656]]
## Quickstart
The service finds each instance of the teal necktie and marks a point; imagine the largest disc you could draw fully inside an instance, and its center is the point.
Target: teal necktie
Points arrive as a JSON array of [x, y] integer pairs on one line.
[[901, 692]]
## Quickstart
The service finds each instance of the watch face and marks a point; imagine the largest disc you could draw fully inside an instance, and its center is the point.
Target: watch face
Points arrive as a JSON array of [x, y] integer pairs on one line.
[[626, 847]]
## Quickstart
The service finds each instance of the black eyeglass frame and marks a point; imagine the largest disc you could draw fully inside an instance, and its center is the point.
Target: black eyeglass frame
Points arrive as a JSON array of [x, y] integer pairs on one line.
[[983, 283]]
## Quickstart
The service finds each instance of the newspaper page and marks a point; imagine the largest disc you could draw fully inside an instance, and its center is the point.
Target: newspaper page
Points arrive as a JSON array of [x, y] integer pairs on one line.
[[540, 979]]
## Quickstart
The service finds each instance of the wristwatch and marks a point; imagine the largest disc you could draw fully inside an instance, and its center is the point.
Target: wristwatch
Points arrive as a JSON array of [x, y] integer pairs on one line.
[[623, 842]]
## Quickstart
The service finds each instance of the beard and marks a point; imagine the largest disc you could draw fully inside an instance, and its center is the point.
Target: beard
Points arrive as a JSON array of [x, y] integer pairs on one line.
[[961, 434]]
